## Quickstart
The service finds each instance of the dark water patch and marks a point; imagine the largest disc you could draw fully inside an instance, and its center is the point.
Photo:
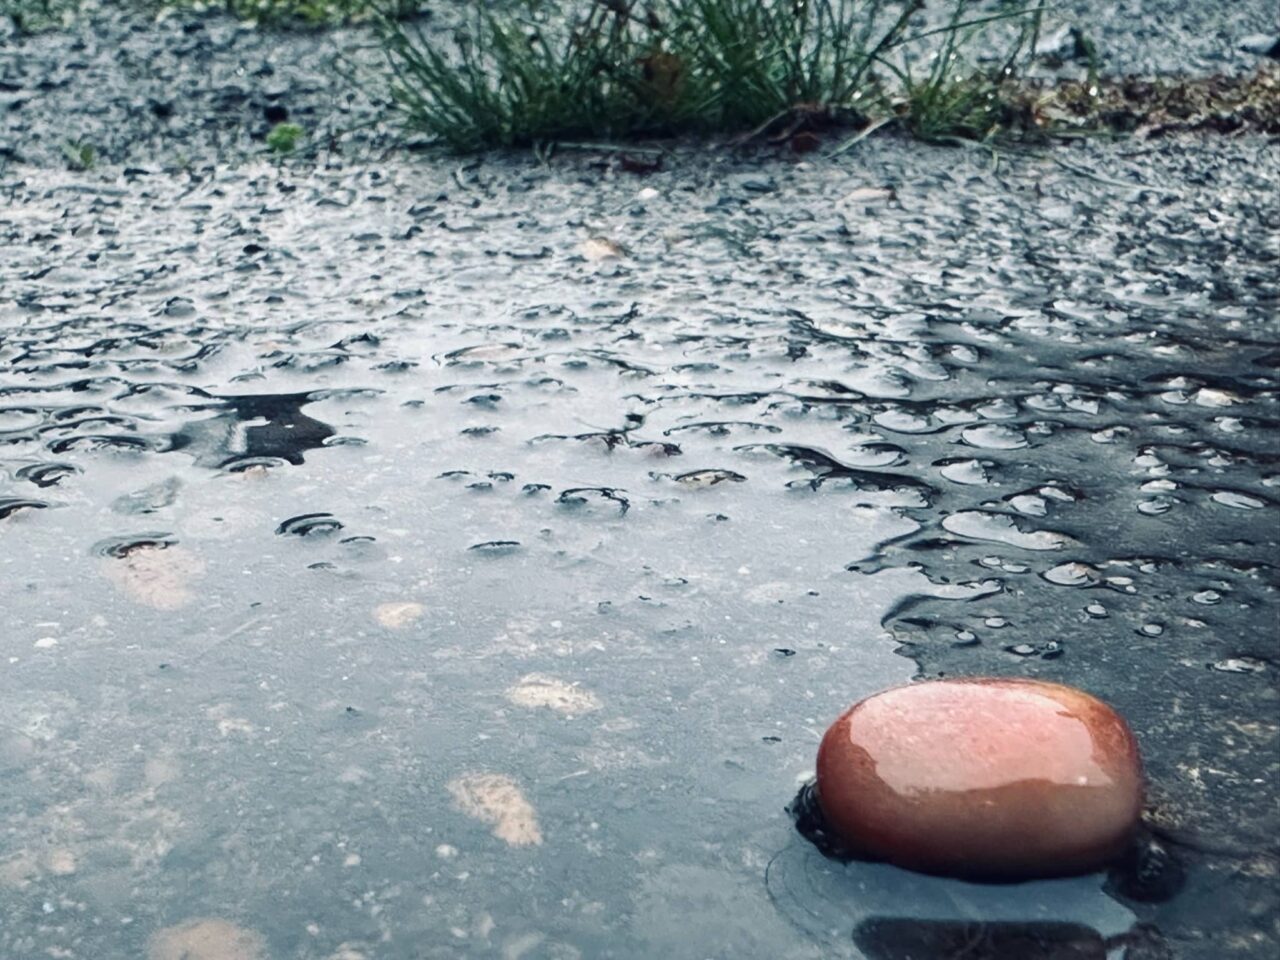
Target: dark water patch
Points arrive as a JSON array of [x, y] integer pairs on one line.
[[905, 938], [863, 904], [252, 428]]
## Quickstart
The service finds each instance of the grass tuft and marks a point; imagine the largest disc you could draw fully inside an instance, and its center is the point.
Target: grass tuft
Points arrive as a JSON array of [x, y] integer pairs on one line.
[[952, 98], [284, 137], [623, 69], [34, 16]]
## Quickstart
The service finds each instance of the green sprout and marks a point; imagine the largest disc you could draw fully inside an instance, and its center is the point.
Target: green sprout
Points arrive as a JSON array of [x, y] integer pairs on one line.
[[80, 156], [284, 137]]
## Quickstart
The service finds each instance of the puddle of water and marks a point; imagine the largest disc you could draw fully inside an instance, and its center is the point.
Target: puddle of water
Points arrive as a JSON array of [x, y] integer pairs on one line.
[[381, 569]]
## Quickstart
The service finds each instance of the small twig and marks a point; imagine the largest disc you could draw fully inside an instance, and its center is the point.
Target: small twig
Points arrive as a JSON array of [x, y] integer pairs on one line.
[[760, 130], [1080, 171], [861, 135], [219, 641], [611, 148]]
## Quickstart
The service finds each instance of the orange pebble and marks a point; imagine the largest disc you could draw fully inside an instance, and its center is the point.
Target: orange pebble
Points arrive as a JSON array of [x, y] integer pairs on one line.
[[982, 777]]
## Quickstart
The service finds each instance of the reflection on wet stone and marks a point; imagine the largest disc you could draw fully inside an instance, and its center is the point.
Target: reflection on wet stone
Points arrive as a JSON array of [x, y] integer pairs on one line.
[[908, 938]]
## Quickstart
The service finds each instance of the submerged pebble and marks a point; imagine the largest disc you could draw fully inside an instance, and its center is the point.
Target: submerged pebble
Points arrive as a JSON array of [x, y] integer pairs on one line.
[[982, 777], [206, 939]]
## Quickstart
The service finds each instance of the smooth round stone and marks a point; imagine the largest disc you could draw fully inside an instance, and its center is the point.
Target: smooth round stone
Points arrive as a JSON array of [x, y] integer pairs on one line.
[[982, 778]]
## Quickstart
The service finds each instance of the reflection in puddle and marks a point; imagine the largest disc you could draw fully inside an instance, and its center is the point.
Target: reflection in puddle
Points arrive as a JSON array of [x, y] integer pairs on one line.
[[832, 901], [253, 428], [894, 938]]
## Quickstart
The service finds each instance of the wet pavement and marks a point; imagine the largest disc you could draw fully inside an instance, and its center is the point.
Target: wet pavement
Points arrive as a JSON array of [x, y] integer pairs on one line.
[[440, 561], [406, 558]]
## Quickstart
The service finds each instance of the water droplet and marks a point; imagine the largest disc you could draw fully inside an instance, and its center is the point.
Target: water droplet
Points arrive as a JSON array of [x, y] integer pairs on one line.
[[310, 524], [1073, 574], [994, 436], [1240, 665], [1029, 504], [496, 547], [121, 547], [1209, 397], [709, 478], [1237, 500], [46, 474], [580, 497], [966, 472]]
